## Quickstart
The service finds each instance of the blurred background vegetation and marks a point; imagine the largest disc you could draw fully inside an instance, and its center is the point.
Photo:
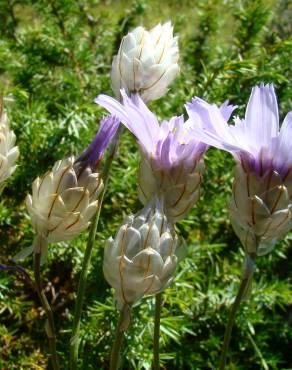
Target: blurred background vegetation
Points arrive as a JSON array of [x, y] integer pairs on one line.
[[55, 57]]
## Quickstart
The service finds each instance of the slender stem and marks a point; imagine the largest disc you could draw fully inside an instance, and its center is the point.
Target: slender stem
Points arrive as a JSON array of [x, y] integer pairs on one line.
[[74, 341], [245, 281], [121, 328], [50, 326], [158, 305]]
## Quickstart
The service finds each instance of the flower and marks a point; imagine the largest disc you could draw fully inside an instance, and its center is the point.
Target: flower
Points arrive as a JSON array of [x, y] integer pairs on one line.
[[9, 153], [261, 209], [172, 163], [143, 256], [64, 199], [147, 62]]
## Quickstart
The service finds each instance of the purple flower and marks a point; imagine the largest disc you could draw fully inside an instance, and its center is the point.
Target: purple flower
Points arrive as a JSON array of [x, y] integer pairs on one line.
[[172, 165], [169, 144], [93, 154], [255, 141]]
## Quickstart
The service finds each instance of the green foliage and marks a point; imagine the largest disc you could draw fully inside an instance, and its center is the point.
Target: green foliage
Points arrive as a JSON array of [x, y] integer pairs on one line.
[[55, 57]]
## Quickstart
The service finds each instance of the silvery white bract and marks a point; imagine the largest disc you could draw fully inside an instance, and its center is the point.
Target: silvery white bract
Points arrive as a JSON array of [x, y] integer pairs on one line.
[[63, 200], [261, 207], [142, 257], [147, 62], [8, 151]]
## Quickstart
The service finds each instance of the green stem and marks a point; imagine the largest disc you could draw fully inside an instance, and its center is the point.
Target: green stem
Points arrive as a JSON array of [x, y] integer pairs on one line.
[[117, 345], [74, 341], [50, 326], [244, 285], [158, 305]]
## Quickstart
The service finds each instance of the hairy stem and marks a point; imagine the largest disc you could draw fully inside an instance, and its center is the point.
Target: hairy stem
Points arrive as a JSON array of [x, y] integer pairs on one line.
[[74, 341], [244, 285], [50, 326], [158, 305]]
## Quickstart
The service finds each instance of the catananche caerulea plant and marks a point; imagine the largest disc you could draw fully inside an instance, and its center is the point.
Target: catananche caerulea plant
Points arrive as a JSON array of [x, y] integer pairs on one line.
[[142, 257], [261, 203]]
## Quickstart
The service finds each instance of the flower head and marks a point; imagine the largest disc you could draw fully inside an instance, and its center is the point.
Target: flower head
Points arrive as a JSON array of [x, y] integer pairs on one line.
[[146, 62], [172, 157], [261, 208], [143, 256], [8, 151]]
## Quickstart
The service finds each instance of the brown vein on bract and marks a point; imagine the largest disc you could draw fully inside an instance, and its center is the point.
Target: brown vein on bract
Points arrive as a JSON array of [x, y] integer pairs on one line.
[[234, 193], [134, 73], [150, 285], [52, 205], [180, 197], [121, 267], [74, 223], [179, 173], [247, 184], [158, 39], [154, 83], [163, 50], [120, 60], [281, 190], [148, 267], [267, 227], [162, 226], [140, 187], [253, 211], [95, 189], [184, 210], [283, 221], [56, 195], [42, 180], [142, 44], [287, 174], [147, 236], [269, 180]]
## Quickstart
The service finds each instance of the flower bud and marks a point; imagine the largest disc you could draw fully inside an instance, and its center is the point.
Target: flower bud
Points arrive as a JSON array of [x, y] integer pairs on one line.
[[147, 62], [8, 151], [64, 200], [142, 258], [261, 209]]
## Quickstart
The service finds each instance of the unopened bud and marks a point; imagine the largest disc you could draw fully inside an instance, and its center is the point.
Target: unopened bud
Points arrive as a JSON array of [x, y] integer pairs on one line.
[[64, 200], [142, 258], [147, 62]]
